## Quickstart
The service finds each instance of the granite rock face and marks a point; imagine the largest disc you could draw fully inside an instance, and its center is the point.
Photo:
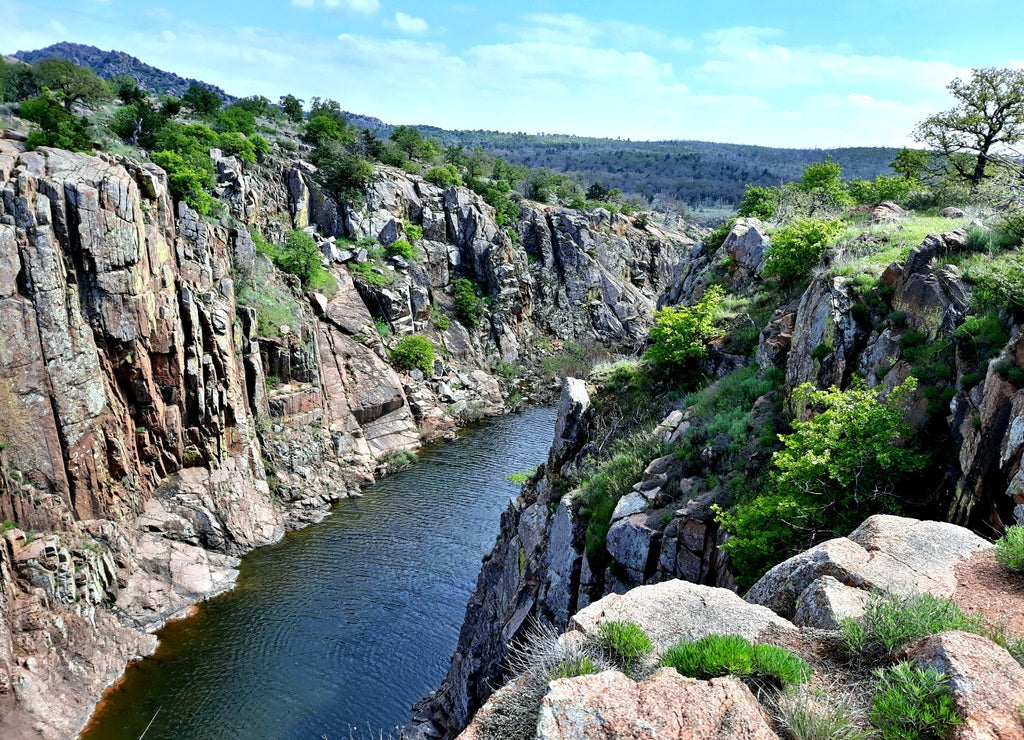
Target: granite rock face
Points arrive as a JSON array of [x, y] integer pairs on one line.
[[666, 705]]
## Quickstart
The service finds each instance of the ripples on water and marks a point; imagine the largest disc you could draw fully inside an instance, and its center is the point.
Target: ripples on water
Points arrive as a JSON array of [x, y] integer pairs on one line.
[[344, 624]]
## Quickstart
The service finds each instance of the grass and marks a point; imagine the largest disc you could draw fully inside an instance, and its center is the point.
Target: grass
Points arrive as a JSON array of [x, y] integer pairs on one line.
[[521, 478], [625, 641], [725, 655], [912, 703], [275, 306], [889, 622], [887, 243], [1010, 549], [805, 715]]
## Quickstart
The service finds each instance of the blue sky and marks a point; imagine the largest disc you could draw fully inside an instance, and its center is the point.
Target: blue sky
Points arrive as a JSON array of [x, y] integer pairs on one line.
[[780, 73]]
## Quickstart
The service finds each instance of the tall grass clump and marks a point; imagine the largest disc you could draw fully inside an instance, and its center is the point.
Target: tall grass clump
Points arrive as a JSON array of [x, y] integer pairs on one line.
[[912, 703]]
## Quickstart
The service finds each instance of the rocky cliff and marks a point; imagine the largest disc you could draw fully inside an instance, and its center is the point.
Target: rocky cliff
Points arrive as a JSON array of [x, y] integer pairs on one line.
[[840, 327], [154, 427]]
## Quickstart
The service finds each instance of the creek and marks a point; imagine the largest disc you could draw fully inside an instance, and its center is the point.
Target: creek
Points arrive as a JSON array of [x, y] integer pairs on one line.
[[338, 629]]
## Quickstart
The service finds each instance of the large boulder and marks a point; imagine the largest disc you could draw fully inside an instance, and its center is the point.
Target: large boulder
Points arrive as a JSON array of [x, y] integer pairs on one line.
[[885, 553], [672, 611], [986, 682], [667, 705]]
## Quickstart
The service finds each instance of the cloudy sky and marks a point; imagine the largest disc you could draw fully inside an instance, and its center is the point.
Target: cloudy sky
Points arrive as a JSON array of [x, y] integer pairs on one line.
[[780, 73]]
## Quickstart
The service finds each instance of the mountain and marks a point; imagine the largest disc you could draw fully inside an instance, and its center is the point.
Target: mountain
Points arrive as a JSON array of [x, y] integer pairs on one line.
[[109, 64]]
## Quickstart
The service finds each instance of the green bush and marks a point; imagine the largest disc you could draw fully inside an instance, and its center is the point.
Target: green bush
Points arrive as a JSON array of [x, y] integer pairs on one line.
[[835, 469], [413, 232], [795, 249], [59, 128], [725, 655], [469, 307], [445, 176], [717, 236], [401, 248], [1010, 549], [891, 621], [1008, 232], [414, 351], [912, 703], [760, 202], [998, 281], [625, 640], [236, 144], [187, 183], [681, 333]]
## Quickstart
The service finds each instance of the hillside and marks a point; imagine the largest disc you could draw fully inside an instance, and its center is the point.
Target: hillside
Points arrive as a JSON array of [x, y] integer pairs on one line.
[[692, 172]]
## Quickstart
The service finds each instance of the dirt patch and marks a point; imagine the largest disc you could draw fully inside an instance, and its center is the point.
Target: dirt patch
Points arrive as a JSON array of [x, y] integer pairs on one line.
[[985, 587]]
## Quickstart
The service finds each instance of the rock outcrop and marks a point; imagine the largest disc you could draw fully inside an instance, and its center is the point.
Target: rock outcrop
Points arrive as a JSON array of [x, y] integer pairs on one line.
[[666, 705]]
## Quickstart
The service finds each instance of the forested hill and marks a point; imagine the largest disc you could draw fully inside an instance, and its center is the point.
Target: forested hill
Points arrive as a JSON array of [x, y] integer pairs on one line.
[[689, 171], [109, 64]]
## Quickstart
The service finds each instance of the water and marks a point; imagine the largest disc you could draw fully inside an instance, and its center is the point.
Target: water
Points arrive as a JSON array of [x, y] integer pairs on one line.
[[341, 625]]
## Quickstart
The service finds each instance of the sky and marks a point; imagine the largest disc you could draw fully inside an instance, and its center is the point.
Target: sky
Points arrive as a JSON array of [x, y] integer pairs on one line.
[[794, 74]]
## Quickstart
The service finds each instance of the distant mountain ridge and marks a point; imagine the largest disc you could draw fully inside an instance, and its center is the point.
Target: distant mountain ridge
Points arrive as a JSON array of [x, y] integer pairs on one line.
[[109, 64]]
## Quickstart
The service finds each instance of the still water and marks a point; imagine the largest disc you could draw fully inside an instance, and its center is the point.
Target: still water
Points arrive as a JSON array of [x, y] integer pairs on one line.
[[340, 627]]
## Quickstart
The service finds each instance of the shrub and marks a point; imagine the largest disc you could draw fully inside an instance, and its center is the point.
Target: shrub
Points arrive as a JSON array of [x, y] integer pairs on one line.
[[835, 469], [445, 176], [681, 333], [978, 239], [187, 183], [724, 655], [625, 640], [760, 202], [415, 233], [399, 459], [469, 307], [891, 621], [401, 248], [1010, 549], [236, 144], [414, 351], [797, 248], [717, 237], [998, 282], [912, 703], [1009, 231]]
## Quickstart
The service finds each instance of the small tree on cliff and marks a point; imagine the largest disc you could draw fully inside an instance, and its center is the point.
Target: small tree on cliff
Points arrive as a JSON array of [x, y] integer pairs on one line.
[[836, 468], [70, 83], [988, 116]]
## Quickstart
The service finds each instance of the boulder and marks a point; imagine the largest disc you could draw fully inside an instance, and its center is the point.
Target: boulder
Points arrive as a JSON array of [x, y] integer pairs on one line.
[[887, 211], [884, 553], [667, 705], [746, 244], [678, 610], [986, 682], [952, 212], [826, 602]]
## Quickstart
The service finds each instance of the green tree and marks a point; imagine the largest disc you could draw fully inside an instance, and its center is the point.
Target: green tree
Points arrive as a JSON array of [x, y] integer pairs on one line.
[[988, 115], [300, 257], [255, 104], [137, 123], [18, 81], [58, 127], [444, 177], [469, 307], [201, 101], [681, 333], [71, 83], [291, 106], [235, 118], [911, 164], [127, 89], [835, 469], [823, 182], [408, 139]]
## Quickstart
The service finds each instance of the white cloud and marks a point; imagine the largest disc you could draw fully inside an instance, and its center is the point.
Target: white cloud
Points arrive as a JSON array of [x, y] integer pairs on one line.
[[302, 3], [59, 28], [743, 57], [573, 29], [357, 6], [410, 24]]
